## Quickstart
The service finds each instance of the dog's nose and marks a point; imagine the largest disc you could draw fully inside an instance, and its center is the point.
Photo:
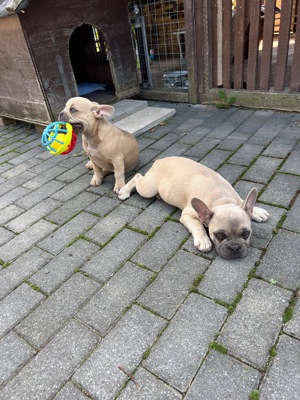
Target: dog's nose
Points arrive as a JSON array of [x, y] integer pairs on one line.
[[233, 247]]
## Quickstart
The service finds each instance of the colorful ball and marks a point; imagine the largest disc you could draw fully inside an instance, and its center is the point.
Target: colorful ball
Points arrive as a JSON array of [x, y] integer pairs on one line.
[[59, 138]]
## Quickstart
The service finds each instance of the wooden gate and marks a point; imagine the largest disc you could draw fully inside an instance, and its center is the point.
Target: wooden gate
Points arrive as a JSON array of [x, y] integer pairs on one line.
[[249, 49]]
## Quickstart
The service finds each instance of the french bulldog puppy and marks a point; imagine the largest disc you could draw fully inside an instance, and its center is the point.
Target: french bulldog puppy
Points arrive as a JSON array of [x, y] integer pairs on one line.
[[206, 200], [109, 148]]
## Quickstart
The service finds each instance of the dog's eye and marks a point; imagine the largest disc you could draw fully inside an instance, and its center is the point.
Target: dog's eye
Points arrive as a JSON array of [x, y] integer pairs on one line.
[[245, 234], [220, 235], [73, 110]]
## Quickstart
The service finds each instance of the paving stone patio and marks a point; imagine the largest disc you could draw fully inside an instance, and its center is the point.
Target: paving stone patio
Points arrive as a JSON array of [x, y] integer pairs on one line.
[[103, 299]]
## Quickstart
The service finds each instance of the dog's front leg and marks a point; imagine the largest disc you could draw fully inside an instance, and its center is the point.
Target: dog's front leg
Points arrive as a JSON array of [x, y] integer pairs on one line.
[[119, 171], [98, 175], [196, 228], [259, 214], [124, 193]]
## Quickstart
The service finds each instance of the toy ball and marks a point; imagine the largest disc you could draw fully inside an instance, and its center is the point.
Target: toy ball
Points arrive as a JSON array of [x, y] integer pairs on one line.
[[59, 138]]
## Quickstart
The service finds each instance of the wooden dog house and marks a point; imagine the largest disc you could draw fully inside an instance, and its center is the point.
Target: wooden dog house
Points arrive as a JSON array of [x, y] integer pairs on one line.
[[49, 48]]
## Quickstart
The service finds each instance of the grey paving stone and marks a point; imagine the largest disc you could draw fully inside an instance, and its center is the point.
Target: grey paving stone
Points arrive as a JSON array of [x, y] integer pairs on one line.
[[20, 269], [262, 232], [36, 196], [45, 374], [5, 236], [178, 353], [177, 149], [150, 388], [246, 154], [262, 169], [14, 353], [224, 279], [253, 328], [230, 124], [39, 180], [46, 163], [70, 392], [72, 173], [9, 198], [280, 147], [108, 305], [19, 169], [27, 155], [292, 164], [67, 210], [114, 221], [78, 225], [153, 216], [282, 260], [10, 184], [23, 242], [52, 314], [68, 191], [61, 267], [218, 118], [171, 286], [293, 326], [103, 205], [188, 125], [124, 346], [215, 158], [271, 128], [194, 136], [233, 142], [292, 221], [108, 260], [16, 306], [281, 190], [164, 143], [283, 378], [231, 172], [223, 377], [243, 188], [161, 246], [255, 122], [32, 215], [201, 148]]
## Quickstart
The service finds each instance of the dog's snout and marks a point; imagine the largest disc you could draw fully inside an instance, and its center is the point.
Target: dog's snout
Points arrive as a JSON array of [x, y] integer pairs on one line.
[[234, 247], [61, 116]]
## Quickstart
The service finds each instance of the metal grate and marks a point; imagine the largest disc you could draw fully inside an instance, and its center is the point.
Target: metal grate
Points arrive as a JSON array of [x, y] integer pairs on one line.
[[161, 51]]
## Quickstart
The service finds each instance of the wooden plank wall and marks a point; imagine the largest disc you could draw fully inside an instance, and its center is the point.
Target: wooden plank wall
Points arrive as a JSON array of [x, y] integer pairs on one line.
[[21, 96], [257, 47]]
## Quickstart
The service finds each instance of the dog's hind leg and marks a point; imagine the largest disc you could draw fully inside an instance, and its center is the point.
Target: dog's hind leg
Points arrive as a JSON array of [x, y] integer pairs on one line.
[[143, 185]]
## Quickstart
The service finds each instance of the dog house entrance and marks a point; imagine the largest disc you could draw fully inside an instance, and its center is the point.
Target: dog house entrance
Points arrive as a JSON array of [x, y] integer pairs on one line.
[[90, 62]]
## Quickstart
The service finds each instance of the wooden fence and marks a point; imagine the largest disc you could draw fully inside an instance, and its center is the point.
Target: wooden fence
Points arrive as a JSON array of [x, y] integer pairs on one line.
[[250, 49]]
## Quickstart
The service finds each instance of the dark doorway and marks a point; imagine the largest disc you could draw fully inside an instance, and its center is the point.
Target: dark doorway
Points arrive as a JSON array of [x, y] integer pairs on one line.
[[90, 61]]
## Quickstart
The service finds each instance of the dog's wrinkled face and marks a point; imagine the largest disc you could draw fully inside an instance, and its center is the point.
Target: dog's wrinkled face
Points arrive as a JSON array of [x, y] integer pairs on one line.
[[230, 231], [229, 225], [82, 114]]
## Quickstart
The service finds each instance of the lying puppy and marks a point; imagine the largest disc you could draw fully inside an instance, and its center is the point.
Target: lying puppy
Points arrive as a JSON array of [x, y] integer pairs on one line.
[[206, 199], [109, 148]]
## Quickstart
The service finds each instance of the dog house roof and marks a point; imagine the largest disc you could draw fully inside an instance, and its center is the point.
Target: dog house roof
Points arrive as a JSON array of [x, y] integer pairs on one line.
[[10, 7]]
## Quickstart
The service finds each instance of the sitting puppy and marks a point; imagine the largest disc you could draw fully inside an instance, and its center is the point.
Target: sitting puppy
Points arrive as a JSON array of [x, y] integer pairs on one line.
[[206, 199], [109, 148]]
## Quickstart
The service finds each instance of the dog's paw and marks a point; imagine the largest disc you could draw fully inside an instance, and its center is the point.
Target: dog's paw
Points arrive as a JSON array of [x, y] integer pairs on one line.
[[260, 214], [203, 243], [123, 194], [95, 181], [89, 165]]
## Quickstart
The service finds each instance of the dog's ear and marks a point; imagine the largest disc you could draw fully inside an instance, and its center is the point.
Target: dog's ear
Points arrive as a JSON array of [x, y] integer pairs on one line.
[[204, 213], [101, 110], [249, 202]]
